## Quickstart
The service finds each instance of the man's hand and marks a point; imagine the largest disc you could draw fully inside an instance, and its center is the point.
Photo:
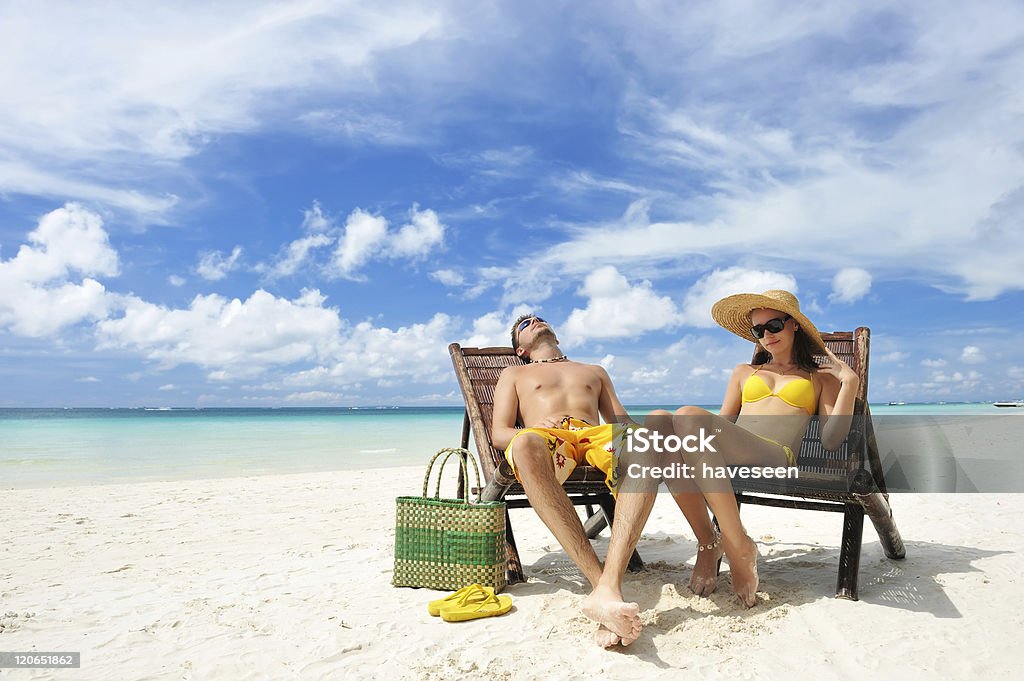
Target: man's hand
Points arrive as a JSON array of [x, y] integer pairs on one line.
[[549, 422]]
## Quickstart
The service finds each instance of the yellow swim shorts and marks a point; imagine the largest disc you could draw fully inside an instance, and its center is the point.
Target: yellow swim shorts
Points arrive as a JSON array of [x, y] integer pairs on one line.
[[576, 441]]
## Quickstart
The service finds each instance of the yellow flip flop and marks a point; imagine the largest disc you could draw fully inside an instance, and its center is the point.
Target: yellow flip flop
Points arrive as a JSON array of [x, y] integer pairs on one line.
[[473, 608], [473, 592]]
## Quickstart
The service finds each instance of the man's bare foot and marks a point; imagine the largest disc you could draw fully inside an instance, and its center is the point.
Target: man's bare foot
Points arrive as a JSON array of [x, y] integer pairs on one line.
[[606, 638], [704, 579], [742, 557], [605, 606]]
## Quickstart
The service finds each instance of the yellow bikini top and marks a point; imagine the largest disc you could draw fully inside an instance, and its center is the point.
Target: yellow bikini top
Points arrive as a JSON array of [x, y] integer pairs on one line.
[[796, 393]]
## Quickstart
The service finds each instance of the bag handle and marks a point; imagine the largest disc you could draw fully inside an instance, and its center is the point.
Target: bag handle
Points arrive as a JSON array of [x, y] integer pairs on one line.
[[448, 452]]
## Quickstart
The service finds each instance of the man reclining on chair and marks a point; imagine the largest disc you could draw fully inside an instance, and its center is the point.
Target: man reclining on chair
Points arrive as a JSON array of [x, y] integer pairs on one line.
[[561, 403]]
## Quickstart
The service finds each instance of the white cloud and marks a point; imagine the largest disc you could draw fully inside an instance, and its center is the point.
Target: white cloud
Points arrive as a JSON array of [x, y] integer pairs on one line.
[[42, 311], [87, 379], [296, 254], [314, 220], [904, 146], [971, 377], [500, 163], [850, 285], [364, 234], [616, 309], [493, 329], [175, 280], [367, 236], [40, 292], [423, 233], [608, 362], [645, 376], [413, 353], [195, 74], [232, 337], [720, 283], [69, 239], [894, 356], [214, 266], [313, 396], [374, 128], [448, 277], [933, 363], [972, 354], [23, 177], [416, 352], [167, 387]]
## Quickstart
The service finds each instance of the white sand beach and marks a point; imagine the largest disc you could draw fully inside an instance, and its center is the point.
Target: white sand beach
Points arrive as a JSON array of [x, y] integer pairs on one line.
[[288, 577]]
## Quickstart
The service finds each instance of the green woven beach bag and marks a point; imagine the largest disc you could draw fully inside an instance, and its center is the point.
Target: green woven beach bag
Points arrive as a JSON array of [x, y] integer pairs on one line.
[[449, 543]]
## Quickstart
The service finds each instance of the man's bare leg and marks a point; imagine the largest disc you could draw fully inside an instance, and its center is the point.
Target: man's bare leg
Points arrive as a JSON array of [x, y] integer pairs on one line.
[[605, 603], [633, 507], [537, 473]]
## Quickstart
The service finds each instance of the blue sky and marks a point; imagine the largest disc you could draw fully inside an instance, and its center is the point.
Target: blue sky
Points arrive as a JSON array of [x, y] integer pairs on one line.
[[262, 204]]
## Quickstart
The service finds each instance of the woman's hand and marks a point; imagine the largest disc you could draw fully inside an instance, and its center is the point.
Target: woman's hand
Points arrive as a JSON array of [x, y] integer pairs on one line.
[[841, 370]]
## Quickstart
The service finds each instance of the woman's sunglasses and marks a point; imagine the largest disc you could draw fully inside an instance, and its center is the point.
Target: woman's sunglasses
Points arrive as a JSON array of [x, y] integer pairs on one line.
[[526, 322], [772, 325]]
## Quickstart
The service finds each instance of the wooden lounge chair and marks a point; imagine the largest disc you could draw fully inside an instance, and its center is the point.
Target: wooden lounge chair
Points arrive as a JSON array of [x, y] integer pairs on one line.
[[477, 370], [847, 480]]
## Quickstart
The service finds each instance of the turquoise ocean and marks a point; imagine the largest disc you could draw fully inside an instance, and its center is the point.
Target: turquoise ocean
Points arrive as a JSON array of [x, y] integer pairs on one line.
[[66, 447]]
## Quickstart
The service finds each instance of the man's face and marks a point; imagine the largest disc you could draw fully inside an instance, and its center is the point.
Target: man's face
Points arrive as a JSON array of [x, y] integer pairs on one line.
[[530, 331]]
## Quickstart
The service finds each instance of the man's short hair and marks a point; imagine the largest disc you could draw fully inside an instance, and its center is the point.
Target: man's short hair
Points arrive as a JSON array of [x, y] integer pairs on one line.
[[515, 332]]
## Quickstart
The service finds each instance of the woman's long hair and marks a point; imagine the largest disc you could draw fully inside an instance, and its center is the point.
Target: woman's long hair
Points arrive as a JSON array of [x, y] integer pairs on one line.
[[803, 353]]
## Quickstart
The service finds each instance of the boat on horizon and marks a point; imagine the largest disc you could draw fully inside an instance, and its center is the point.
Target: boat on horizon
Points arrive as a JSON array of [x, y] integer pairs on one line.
[[1009, 403], [897, 404]]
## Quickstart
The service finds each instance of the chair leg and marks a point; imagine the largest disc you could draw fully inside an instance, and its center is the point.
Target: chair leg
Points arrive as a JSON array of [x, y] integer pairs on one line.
[[514, 569], [849, 552], [461, 490], [877, 507], [607, 502], [595, 522]]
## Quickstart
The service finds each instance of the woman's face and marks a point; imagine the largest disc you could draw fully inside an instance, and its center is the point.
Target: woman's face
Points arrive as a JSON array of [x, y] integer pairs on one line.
[[774, 342]]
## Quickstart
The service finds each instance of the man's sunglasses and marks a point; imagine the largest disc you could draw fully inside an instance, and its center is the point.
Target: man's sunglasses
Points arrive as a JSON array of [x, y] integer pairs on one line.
[[772, 325], [526, 322]]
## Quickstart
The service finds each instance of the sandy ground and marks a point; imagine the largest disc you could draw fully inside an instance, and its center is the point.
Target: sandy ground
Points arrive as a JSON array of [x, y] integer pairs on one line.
[[288, 577]]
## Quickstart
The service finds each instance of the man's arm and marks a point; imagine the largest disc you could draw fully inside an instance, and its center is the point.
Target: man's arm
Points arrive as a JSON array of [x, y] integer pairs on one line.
[[608, 403], [506, 409]]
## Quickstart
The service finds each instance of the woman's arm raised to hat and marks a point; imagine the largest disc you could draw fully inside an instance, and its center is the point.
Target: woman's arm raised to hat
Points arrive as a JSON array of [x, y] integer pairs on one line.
[[835, 404]]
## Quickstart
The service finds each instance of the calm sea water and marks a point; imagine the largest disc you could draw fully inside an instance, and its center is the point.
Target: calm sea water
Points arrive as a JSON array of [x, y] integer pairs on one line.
[[61, 447]]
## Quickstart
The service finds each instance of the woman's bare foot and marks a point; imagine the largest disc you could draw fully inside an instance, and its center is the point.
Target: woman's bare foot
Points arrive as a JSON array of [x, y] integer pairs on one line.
[[704, 579], [742, 557], [606, 638], [606, 607]]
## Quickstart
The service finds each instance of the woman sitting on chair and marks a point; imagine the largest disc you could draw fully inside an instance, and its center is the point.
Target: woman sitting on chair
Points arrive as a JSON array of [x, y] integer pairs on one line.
[[764, 416]]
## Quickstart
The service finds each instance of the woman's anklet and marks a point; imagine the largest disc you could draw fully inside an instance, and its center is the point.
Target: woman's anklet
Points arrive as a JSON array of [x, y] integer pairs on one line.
[[713, 545]]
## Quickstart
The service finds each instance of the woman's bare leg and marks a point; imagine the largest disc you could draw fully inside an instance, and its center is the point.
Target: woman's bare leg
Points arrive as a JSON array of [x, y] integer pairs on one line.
[[738, 446], [690, 500]]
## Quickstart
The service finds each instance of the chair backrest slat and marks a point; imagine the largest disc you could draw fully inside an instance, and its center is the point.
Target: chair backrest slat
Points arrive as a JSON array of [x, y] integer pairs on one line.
[[478, 370]]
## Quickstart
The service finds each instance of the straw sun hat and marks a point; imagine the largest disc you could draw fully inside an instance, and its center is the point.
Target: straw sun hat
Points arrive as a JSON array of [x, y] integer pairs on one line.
[[733, 312]]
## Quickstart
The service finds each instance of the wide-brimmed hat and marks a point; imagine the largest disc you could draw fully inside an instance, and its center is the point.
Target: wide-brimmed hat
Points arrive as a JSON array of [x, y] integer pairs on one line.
[[733, 312]]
